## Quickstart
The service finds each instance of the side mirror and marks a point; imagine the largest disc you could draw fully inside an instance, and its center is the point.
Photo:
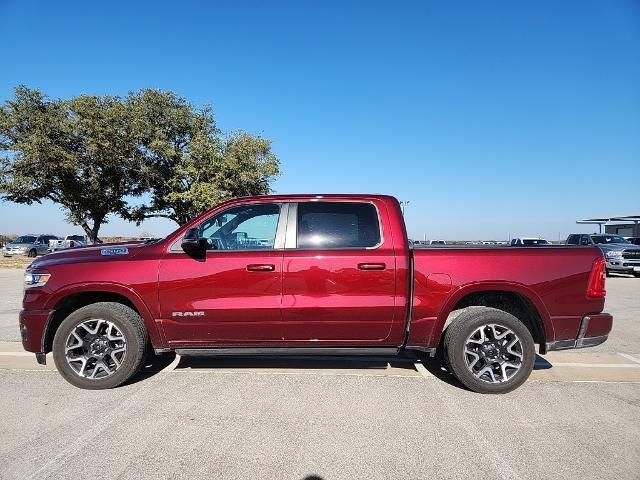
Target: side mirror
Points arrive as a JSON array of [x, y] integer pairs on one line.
[[191, 241]]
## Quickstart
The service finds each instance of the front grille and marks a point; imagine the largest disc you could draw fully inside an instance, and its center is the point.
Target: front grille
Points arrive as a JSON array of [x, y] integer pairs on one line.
[[631, 254]]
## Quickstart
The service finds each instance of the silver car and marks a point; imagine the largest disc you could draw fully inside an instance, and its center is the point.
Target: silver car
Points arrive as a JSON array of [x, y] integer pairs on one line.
[[30, 245]]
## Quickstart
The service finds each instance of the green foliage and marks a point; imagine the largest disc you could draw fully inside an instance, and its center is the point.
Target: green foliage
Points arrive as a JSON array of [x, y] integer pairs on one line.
[[93, 155], [194, 167], [81, 154]]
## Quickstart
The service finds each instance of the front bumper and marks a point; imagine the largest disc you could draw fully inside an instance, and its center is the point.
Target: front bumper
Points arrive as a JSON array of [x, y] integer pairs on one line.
[[12, 253], [33, 327], [623, 265], [594, 330]]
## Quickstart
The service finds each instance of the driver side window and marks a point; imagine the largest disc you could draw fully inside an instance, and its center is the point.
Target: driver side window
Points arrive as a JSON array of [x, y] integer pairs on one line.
[[245, 227]]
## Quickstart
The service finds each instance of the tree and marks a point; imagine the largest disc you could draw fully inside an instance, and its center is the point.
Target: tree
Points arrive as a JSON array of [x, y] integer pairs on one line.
[[193, 166], [94, 155], [82, 154]]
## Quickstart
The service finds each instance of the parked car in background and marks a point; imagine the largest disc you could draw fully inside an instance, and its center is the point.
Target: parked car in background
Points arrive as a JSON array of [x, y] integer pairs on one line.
[[437, 242], [529, 242], [30, 245], [70, 241], [622, 256]]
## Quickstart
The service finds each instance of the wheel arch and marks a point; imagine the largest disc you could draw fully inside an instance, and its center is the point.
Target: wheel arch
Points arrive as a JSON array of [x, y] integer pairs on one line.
[[517, 299], [74, 297]]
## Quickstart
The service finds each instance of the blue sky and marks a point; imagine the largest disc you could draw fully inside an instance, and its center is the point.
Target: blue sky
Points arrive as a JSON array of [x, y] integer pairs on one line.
[[491, 118]]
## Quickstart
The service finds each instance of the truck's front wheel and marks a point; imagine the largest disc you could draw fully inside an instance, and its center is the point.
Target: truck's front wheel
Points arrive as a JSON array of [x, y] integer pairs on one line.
[[100, 345], [489, 350]]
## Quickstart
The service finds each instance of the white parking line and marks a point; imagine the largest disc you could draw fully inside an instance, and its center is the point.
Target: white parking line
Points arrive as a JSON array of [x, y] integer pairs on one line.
[[629, 357], [172, 366], [591, 365], [422, 370], [16, 354]]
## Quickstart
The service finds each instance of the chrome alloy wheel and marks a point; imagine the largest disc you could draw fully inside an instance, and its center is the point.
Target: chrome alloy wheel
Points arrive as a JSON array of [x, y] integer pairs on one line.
[[493, 353], [95, 349]]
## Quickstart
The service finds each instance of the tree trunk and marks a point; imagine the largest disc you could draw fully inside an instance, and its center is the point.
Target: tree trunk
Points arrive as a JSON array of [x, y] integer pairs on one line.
[[92, 232]]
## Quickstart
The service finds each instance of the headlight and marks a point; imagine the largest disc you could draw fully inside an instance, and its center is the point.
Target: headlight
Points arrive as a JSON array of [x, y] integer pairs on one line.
[[36, 279], [614, 253]]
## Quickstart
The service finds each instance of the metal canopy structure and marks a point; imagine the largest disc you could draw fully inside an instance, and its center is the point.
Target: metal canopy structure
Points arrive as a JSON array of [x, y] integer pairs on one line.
[[614, 219]]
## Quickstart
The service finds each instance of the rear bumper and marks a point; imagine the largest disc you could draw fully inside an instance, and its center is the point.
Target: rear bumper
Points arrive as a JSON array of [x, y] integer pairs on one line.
[[594, 330], [33, 325]]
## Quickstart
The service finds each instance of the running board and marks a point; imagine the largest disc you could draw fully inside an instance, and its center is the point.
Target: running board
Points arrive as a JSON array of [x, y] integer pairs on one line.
[[286, 351]]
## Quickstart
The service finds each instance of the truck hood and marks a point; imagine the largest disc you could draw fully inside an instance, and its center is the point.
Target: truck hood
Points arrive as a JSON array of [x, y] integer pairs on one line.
[[613, 247], [109, 252]]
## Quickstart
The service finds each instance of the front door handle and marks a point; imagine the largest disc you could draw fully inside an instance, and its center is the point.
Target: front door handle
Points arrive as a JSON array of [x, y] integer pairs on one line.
[[260, 267], [372, 266]]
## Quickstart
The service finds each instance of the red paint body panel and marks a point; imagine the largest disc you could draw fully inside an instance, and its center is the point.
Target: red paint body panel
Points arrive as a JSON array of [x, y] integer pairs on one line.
[[341, 297], [238, 306], [328, 300], [554, 279]]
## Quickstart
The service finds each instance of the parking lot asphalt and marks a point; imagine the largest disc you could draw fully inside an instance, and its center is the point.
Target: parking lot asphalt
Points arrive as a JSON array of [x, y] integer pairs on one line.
[[577, 417]]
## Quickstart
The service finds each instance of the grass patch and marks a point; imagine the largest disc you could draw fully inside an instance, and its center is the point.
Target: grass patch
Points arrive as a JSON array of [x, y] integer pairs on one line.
[[15, 262]]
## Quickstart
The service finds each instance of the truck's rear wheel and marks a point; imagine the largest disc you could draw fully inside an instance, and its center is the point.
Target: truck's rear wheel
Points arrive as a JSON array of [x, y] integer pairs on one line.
[[489, 350], [100, 345]]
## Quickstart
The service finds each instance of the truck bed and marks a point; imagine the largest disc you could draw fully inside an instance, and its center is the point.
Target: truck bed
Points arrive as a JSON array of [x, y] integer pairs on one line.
[[549, 281]]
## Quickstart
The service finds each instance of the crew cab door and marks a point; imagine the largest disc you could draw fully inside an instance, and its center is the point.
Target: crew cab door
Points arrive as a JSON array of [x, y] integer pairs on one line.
[[232, 293], [338, 274]]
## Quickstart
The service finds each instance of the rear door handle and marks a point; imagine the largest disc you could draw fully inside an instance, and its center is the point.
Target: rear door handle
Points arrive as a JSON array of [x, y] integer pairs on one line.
[[372, 266], [260, 267]]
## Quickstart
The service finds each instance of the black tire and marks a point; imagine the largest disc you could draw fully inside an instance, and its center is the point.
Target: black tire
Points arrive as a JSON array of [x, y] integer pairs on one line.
[[459, 331], [32, 253], [131, 327], [636, 274]]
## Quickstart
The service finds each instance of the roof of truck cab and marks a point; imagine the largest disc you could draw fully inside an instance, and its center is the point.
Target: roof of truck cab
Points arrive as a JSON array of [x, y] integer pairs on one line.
[[319, 196]]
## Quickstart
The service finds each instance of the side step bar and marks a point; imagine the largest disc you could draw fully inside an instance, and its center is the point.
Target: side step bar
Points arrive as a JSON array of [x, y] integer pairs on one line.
[[286, 351]]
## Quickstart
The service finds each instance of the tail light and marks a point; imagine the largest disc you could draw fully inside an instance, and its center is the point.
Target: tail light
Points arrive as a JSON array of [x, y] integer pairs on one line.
[[595, 289]]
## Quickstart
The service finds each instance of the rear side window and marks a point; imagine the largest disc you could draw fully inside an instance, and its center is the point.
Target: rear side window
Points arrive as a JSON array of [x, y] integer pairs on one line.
[[337, 225]]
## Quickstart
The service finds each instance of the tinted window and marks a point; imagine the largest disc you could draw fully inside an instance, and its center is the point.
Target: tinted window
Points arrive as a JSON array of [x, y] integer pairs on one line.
[[573, 240], [247, 227], [608, 239], [25, 239], [337, 225]]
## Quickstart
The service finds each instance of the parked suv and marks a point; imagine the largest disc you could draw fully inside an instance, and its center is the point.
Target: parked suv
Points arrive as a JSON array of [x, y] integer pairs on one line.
[[622, 256], [30, 245]]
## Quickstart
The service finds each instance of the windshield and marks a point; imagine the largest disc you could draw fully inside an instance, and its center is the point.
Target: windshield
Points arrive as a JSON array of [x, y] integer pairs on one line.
[[25, 239], [608, 239], [535, 241]]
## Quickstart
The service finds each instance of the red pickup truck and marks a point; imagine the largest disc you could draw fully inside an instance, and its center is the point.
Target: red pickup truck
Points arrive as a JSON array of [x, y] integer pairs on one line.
[[311, 275]]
